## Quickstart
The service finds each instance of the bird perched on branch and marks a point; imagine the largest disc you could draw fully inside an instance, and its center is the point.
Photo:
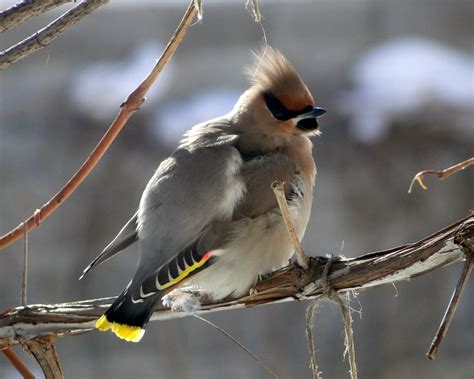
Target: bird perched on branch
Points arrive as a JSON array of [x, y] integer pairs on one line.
[[208, 217]]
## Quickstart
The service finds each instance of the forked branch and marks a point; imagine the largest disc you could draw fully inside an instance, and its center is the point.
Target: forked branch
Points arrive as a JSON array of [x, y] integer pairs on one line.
[[49, 33], [24, 10]]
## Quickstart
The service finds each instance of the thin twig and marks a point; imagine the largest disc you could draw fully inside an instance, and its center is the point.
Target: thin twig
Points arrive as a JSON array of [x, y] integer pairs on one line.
[[18, 363], [49, 33], [278, 189], [24, 282], [26, 9], [128, 108], [452, 306], [440, 174], [239, 344]]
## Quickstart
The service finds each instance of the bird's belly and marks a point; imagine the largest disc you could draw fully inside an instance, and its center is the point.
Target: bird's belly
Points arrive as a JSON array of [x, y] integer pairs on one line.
[[257, 246]]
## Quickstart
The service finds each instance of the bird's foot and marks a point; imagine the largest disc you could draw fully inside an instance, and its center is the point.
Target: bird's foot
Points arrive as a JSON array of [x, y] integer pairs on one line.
[[181, 301]]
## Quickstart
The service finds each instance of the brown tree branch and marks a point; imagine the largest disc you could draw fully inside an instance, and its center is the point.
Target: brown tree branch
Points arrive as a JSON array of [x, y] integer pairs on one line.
[[128, 108], [452, 306], [18, 363], [44, 351], [278, 189], [26, 9], [287, 284], [443, 174], [49, 33]]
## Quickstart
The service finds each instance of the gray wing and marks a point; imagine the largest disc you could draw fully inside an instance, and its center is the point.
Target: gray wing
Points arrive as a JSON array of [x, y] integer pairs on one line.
[[199, 185], [127, 235], [195, 195], [256, 174]]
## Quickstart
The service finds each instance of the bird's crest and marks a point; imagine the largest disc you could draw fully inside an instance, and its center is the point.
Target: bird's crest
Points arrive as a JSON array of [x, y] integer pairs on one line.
[[274, 73]]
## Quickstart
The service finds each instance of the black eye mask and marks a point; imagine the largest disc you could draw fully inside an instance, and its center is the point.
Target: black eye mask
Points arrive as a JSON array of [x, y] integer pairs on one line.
[[279, 111]]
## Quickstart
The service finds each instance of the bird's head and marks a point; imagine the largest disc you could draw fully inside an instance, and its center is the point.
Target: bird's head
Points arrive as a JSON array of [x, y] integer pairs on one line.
[[278, 100]]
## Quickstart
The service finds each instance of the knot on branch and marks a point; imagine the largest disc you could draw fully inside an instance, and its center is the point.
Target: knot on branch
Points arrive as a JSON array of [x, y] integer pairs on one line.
[[328, 290]]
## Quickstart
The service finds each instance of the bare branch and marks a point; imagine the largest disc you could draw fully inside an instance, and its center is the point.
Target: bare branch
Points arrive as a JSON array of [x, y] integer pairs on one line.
[[24, 282], [18, 363], [44, 351], [440, 174], [128, 108], [278, 189], [287, 284], [453, 304], [45, 36], [23, 11]]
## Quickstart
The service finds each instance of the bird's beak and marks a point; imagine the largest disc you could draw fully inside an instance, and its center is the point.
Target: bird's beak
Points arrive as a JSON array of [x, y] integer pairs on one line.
[[309, 121], [314, 113]]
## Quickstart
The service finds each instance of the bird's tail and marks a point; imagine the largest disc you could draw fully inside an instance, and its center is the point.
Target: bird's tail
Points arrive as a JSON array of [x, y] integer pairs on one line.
[[131, 311], [127, 318]]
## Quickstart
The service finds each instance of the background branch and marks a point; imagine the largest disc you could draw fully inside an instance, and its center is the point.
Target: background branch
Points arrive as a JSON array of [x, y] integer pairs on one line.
[[287, 284], [442, 174], [128, 108], [49, 33], [18, 363], [23, 11]]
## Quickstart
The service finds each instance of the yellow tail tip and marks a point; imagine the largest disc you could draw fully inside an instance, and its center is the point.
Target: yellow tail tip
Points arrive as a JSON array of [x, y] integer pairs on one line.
[[125, 332], [103, 324]]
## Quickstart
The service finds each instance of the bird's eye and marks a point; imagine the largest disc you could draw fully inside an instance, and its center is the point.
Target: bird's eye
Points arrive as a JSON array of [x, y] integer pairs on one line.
[[277, 109]]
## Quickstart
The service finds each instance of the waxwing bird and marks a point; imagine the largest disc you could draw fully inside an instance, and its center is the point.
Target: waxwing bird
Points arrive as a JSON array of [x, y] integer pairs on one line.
[[208, 216]]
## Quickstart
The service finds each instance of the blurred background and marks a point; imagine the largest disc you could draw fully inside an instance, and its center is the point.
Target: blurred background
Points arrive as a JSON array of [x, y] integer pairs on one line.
[[397, 79]]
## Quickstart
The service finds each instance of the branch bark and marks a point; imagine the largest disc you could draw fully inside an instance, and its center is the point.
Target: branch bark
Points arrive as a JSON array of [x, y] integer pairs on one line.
[[23, 11], [287, 284], [49, 33], [44, 351]]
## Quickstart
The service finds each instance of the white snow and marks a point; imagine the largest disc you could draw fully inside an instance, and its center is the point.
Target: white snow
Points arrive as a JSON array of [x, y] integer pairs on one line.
[[102, 87], [402, 75]]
